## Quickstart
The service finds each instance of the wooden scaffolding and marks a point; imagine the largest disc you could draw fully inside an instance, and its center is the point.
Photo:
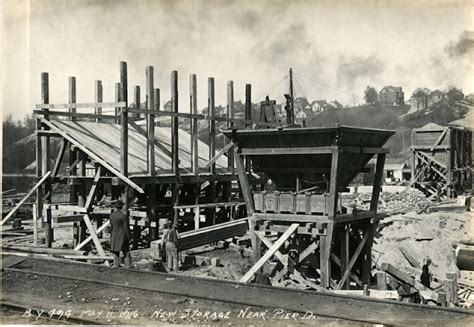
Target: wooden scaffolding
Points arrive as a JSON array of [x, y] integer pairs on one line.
[[139, 154], [441, 160], [299, 205]]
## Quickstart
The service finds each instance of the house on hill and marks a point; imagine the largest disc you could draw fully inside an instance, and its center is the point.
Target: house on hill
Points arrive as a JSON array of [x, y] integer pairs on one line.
[[335, 104], [419, 101], [319, 106], [397, 169], [435, 97], [392, 95]]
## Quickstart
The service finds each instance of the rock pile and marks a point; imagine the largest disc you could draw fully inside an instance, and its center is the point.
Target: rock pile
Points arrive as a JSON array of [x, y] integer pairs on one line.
[[389, 200]]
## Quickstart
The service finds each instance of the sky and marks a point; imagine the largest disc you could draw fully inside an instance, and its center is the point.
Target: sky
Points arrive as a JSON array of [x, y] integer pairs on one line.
[[336, 48]]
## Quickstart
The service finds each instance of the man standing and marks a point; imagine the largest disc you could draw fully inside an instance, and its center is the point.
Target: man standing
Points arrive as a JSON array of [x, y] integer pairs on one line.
[[170, 242], [120, 236], [426, 276]]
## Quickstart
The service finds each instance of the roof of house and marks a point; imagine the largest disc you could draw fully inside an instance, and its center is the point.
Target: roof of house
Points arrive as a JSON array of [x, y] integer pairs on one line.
[[390, 88], [319, 102], [436, 93]]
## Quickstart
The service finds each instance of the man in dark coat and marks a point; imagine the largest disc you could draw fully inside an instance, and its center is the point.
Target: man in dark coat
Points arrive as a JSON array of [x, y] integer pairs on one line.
[[171, 244], [120, 236]]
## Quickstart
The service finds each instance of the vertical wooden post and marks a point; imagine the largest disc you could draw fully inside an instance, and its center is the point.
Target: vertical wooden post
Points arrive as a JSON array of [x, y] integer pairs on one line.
[[98, 98], [153, 99], [150, 120], [345, 254], [212, 145], [175, 141], [117, 99], [248, 116], [367, 249], [136, 99], [124, 135], [45, 162], [194, 124], [39, 170], [449, 160], [81, 193], [72, 95], [174, 123], [230, 124]]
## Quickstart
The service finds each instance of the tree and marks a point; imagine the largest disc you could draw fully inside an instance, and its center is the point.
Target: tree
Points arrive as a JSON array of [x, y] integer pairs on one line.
[[370, 95]]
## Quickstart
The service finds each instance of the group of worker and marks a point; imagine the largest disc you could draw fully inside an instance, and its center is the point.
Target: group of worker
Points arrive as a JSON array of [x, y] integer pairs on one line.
[[120, 239]]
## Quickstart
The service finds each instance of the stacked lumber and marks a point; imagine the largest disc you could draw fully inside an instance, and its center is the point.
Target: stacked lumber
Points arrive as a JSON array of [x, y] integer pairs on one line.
[[38, 252], [207, 235]]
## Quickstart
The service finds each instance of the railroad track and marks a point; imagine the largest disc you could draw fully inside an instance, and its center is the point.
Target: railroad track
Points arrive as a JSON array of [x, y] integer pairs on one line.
[[354, 308]]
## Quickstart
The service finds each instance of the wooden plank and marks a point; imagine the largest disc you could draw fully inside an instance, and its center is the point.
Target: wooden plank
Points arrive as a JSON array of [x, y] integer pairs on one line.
[[124, 124], [212, 125], [291, 217], [352, 261], [174, 124], [210, 205], [119, 104], [94, 236], [95, 157], [354, 277], [230, 124], [219, 154], [194, 124], [378, 179], [286, 151], [440, 138], [150, 128], [35, 225], [67, 218], [244, 183], [270, 252], [70, 114], [31, 249], [59, 158], [91, 194], [88, 239], [18, 205], [99, 93]]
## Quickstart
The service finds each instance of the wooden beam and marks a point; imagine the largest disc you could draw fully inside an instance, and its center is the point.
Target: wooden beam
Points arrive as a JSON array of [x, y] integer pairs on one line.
[[230, 124], [27, 195], [219, 154], [354, 277], [94, 236], [352, 261], [363, 150], [117, 104], [93, 189], [284, 260], [270, 252], [59, 158], [150, 120], [286, 151], [72, 95], [244, 183], [194, 124], [440, 138], [88, 239], [212, 124], [92, 155], [99, 94], [70, 114], [124, 120], [174, 123], [303, 255], [136, 99]]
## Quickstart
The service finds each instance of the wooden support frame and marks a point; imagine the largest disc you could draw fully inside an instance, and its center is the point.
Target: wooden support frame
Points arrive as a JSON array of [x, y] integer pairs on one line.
[[174, 123], [57, 163], [270, 252], [352, 261], [94, 237], [91, 195], [194, 124]]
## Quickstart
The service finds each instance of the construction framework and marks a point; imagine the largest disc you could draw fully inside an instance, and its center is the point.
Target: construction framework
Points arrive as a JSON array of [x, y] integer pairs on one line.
[[300, 205], [135, 154], [441, 160]]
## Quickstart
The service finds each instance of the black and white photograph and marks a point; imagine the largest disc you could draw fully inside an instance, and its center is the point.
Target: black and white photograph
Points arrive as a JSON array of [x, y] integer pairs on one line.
[[237, 162]]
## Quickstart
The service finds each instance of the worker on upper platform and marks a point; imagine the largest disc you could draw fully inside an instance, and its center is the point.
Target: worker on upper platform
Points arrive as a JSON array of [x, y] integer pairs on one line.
[[171, 244], [120, 236]]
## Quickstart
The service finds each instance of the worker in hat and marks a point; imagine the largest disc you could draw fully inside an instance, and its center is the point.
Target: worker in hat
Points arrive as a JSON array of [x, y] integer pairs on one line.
[[171, 244], [120, 236], [426, 277]]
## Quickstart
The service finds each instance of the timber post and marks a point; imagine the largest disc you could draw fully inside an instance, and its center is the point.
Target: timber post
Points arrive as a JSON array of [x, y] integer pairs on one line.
[[194, 124], [98, 99], [45, 163], [124, 135], [175, 142]]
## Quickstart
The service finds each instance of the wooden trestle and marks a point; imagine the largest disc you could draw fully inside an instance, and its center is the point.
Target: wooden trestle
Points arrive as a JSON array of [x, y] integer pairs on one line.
[[132, 153], [319, 242], [441, 160]]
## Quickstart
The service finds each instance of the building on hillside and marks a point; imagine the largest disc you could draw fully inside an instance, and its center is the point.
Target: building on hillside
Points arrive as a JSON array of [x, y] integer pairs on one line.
[[470, 98], [419, 101], [335, 104], [300, 118], [392, 95], [397, 170], [435, 97], [318, 105]]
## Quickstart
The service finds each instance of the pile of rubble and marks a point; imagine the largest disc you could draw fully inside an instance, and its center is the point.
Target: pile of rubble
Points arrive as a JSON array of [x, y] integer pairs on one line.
[[389, 200]]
